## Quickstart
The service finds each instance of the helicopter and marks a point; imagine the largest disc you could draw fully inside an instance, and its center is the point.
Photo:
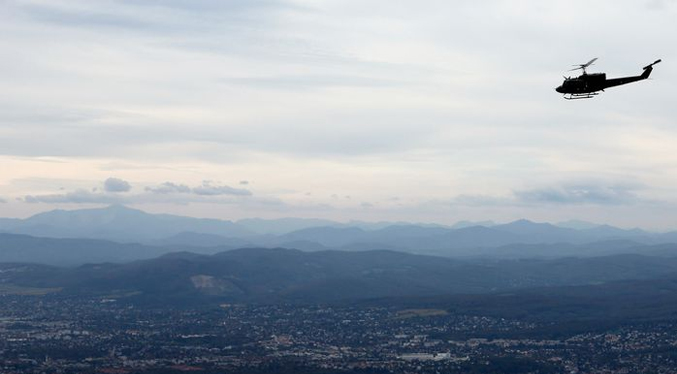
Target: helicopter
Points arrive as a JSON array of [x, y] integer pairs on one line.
[[587, 86]]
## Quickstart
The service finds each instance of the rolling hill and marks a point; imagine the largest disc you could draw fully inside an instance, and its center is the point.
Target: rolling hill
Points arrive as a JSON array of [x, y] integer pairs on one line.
[[262, 275]]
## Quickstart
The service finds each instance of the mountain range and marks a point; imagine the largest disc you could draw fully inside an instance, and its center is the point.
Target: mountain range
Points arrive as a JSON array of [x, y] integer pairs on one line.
[[125, 225], [132, 256]]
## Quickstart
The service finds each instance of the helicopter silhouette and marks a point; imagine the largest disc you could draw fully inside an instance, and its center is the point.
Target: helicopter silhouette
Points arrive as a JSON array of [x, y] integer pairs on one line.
[[586, 86]]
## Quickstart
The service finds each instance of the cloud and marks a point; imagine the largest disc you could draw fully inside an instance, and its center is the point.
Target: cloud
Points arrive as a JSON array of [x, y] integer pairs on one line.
[[2, 201], [580, 194], [168, 188], [72, 17], [82, 196], [167, 192], [116, 185], [76, 197], [207, 189], [482, 200], [589, 193], [244, 183], [128, 15], [305, 82], [659, 4]]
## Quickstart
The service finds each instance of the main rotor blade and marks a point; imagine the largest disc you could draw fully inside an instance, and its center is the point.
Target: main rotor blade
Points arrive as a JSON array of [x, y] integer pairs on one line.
[[583, 66], [589, 62]]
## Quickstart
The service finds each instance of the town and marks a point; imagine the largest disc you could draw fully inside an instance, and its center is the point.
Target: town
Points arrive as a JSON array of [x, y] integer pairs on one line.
[[59, 334]]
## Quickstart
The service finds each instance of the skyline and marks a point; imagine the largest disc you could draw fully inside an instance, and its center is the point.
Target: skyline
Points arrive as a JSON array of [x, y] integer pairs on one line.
[[378, 111], [115, 208]]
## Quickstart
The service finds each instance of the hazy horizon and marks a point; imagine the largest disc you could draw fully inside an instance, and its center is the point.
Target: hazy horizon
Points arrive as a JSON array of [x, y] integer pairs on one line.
[[569, 223]]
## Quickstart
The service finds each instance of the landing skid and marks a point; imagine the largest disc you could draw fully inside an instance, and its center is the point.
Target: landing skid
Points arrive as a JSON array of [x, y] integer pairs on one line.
[[581, 96]]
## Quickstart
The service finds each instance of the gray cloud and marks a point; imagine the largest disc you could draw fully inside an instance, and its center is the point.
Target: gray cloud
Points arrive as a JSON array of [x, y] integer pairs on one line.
[[2, 201], [167, 192], [168, 188], [659, 4], [211, 5], [92, 197], [73, 17], [207, 189], [128, 15], [562, 194], [75, 197], [580, 194], [189, 19], [116, 185], [482, 200], [305, 82]]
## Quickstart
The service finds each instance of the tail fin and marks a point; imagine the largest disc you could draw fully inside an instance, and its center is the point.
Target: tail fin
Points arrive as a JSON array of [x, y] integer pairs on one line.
[[648, 69]]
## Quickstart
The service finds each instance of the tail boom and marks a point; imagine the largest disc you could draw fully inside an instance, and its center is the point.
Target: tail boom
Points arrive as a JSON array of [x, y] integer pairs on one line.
[[624, 80]]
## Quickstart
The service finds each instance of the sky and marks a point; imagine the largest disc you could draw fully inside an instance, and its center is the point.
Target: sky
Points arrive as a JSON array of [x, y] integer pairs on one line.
[[426, 111]]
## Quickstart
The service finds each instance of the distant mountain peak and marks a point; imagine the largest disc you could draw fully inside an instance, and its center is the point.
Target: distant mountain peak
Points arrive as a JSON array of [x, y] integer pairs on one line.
[[122, 207], [577, 224], [122, 223], [526, 222], [111, 209], [464, 224]]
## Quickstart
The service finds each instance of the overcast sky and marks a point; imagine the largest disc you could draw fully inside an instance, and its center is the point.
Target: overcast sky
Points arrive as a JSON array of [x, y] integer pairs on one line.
[[427, 111]]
